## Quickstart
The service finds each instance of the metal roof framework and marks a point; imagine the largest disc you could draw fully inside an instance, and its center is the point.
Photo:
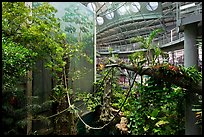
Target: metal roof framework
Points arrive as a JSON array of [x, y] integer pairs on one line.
[[117, 29]]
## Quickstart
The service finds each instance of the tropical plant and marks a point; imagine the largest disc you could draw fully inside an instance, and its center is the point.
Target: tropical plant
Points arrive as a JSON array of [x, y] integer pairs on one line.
[[39, 31], [17, 60], [153, 51], [157, 109], [76, 50], [26, 40]]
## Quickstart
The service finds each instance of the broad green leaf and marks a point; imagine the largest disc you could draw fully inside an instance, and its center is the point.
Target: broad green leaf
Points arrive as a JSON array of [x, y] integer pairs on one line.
[[155, 113], [161, 122]]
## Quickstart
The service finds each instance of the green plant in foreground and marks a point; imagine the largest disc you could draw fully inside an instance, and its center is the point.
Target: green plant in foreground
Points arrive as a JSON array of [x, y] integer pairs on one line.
[[191, 73], [156, 110], [17, 60], [26, 39]]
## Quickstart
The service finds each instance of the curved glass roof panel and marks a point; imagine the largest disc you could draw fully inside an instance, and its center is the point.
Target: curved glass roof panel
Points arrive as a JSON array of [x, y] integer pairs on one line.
[[109, 15], [151, 6], [91, 6], [118, 22], [135, 6], [122, 10]]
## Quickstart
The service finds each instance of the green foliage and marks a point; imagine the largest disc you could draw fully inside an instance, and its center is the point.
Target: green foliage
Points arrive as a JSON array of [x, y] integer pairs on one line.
[[40, 32], [76, 23], [146, 42], [110, 50], [155, 109], [151, 37], [59, 93], [92, 100], [13, 112], [29, 35], [137, 57], [33, 34], [78, 29], [191, 73], [153, 51], [73, 15], [17, 60], [77, 45]]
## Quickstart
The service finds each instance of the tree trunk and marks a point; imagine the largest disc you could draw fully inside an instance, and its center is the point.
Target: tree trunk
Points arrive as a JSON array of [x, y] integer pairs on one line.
[[106, 113], [177, 79]]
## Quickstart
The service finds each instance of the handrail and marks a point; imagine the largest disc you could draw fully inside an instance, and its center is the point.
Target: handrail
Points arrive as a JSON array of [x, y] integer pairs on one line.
[[194, 8], [169, 37]]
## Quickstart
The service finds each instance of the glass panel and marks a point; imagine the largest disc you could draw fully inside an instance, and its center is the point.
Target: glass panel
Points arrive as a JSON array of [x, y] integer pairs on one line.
[[122, 10], [151, 6], [77, 22], [91, 6], [135, 6], [109, 15]]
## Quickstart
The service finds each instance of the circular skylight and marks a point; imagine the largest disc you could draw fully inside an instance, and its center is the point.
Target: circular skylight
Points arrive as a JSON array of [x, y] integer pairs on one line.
[[122, 10], [151, 6], [135, 6], [109, 15], [99, 20], [91, 6]]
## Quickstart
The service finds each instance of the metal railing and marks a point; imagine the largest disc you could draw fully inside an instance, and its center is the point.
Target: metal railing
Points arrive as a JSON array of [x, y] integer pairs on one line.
[[166, 38], [185, 10], [171, 36]]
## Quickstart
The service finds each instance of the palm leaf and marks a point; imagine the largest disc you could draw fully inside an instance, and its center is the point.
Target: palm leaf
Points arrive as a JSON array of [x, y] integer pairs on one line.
[[152, 36]]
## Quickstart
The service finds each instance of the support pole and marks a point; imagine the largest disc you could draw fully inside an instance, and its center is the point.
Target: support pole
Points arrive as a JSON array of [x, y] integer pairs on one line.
[[171, 35], [190, 59], [95, 46]]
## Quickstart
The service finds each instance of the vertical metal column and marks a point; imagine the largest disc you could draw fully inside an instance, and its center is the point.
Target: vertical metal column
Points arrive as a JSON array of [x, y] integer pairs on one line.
[[190, 59], [94, 46]]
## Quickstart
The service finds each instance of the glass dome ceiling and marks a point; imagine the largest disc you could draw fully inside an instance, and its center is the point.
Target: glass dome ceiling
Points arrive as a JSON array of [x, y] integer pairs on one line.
[[118, 22]]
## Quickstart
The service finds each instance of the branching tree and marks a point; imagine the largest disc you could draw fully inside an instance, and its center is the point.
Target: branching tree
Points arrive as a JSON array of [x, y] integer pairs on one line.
[[26, 39]]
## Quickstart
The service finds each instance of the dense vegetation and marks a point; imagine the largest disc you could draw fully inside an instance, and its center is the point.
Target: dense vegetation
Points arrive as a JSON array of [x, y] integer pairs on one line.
[[152, 106]]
